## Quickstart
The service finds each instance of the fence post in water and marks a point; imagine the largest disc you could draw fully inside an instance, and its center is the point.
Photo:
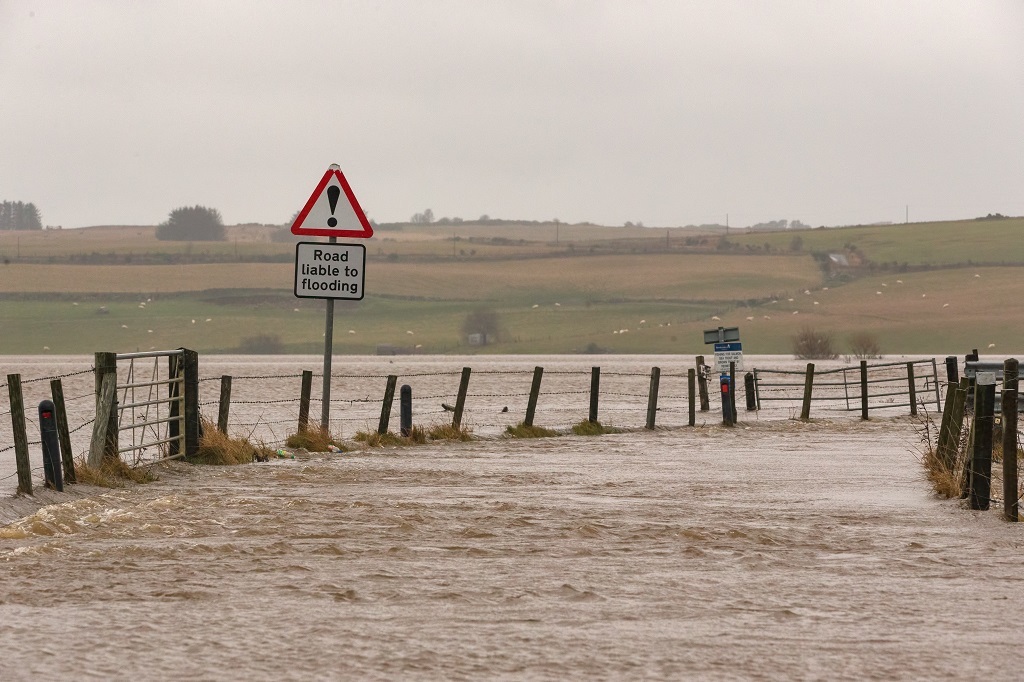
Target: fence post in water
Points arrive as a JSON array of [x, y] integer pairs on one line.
[[174, 408], [406, 410], [63, 434], [702, 385], [51, 446], [951, 370], [757, 391], [942, 442], [385, 408], [304, 397], [224, 407], [749, 391], [193, 430], [691, 384], [20, 435], [106, 404], [981, 452], [460, 399], [595, 391], [531, 406], [864, 390], [1011, 369], [652, 397], [912, 389], [106, 363], [805, 409]]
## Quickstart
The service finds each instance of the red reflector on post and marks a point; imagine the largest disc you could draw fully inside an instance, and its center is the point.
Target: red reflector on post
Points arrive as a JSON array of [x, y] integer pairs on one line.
[[46, 415]]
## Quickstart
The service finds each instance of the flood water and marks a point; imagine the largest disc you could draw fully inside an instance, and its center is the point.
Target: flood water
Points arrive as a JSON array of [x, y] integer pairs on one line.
[[772, 550]]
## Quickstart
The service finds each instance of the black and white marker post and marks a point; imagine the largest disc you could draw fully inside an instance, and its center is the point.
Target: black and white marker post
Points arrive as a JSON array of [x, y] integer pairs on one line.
[[330, 270]]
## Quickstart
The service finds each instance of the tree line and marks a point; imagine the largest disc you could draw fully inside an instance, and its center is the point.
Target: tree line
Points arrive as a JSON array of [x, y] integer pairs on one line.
[[17, 215]]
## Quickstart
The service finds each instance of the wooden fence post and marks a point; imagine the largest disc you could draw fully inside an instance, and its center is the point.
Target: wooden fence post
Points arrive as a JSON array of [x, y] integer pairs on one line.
[[106, 363], [757, 391], [63, 433], [224, 407], [460, 399], [805, 409], [702, 385], [691, 381], [106, 404], [304, 397], [981, 452], [864, 390], [174, 408], [531, 406], [1011, 369], [943, 440], [193, 429], [912, 389], [385, 408], [20, 434], [749, 392], [652, 397], [595, 391]]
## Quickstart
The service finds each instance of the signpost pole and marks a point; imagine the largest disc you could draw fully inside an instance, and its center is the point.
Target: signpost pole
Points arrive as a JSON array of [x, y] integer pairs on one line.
[[327, 272], [325, 408]]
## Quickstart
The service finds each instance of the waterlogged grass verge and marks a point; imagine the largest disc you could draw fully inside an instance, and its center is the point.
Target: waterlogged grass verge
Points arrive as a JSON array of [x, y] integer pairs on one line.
[[589, 428], [314, 440], [521, 430], [220, 449], [449, 432], [373, 439], [112, 473]]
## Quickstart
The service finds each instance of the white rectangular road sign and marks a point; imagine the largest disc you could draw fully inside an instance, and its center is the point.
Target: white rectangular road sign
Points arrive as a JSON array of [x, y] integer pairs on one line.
[[726, 353], [329, 270]]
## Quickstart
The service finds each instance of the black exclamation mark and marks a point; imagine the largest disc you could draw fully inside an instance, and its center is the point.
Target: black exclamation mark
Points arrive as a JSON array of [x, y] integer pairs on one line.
[[333, 192]]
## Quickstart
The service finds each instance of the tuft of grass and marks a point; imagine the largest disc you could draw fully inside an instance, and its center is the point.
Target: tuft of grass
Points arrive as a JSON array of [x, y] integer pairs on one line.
[[112, 473], [589, 428], [521, 430], [313, 440], [218, 448], [945, 481], [379, 440], [449, 432]]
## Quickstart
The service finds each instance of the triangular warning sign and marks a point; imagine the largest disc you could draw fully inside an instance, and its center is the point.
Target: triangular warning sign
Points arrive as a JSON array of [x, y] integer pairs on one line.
[[332, 210]]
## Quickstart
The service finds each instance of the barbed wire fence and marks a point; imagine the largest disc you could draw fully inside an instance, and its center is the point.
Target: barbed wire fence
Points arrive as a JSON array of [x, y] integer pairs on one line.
[[264, 407]]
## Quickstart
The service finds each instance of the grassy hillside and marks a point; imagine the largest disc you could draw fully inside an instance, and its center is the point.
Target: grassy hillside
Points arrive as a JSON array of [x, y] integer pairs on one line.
[[554, 289]]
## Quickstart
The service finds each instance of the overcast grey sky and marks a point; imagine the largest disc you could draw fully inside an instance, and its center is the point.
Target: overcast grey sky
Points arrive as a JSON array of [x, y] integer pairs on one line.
[[668, 113]]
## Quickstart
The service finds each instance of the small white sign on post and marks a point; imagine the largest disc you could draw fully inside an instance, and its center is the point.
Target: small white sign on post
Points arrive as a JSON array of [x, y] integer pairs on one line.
[[726, 353], [329, 270]]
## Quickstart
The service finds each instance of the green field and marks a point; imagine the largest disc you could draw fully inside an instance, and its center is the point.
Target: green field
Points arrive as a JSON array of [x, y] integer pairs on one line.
[[624, 290]]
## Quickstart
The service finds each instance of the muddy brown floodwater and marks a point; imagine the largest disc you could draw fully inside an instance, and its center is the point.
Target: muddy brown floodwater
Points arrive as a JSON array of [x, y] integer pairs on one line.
[[775, 550]]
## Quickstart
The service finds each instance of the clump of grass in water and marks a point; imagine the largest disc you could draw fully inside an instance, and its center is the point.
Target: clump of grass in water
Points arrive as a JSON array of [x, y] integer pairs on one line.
[[221, 449], [521, 430], [449, 432], [589, 428], [313, 440], [945, 480], [379, 440], [112, 473]]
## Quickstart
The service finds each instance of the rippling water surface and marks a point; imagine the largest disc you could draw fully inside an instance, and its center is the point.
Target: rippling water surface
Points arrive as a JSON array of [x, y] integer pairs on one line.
[[773, 550]]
